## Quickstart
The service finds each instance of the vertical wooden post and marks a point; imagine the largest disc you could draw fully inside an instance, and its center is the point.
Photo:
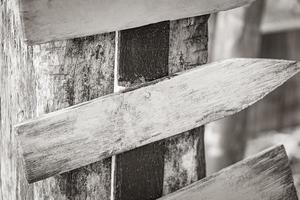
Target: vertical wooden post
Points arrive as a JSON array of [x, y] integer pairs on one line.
[[148, 53], [184, 154], [237, 34], [67, 73], [18, 101], [44, 78], [41, 79]]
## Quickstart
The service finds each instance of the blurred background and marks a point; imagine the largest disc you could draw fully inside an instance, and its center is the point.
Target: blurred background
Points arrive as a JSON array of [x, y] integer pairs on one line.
[[265, 29]]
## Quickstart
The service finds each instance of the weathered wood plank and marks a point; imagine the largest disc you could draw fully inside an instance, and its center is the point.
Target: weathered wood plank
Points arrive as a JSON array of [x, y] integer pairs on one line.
[[276, 118], [184, 160], [82, 134], [67, 73], [184, 153], [281, 15], [242, 38], [41, 79], [147, 53], [17, 100], [290, 138], [45, 20], [262, 177]]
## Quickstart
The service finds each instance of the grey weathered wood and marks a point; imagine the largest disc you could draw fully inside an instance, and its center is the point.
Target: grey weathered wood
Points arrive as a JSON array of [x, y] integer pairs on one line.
[[262, 177], [17, 100], [184, 153], [279, 112], [82, 134], [290, 138], [45, 20], [41, 79], [242, 38], [281, 15], [147, 53], [67, 73]]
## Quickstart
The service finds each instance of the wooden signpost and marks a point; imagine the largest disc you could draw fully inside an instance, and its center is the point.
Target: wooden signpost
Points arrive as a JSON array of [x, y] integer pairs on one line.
[[148, 53], [153, 130], [53, 143]]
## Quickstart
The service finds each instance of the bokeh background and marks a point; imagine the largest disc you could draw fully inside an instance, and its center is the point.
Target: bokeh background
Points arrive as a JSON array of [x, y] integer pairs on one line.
[[265, 29]]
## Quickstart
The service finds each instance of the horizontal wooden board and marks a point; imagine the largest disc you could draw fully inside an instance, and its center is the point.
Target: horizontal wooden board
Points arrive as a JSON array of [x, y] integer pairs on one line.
[[45, 20], [281, 15], [263, 177], [88, 132]]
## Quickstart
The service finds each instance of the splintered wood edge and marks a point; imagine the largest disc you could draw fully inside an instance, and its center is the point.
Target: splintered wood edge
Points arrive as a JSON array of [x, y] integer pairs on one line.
[[76, 136], [264, 176], [45, 20]]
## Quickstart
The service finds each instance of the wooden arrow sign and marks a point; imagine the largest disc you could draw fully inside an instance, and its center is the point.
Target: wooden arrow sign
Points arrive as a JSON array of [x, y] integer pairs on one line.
[[71, 138], [263, 177], [45, 20]]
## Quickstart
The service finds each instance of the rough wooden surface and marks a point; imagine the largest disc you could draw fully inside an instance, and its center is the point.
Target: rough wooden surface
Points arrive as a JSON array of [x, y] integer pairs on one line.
[[61, 19], [242, 38], [148, 53], [277, 117], [184, 153], [40, 79], [281, 15], [262, 177], [67, 73], [116, 123], [17, 100], [184, 160], [290, 138]]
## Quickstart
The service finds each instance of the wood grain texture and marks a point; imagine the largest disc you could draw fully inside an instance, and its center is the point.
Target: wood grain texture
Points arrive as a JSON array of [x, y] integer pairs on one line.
[[262, 177], [242, 38], [36, 80], [67, 73], [290, 138], [17, 100], [184, 160], [45, 20], [280, 111], [86, 133], [184, 154], [188, 43], [281, 15], [148, 53]]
